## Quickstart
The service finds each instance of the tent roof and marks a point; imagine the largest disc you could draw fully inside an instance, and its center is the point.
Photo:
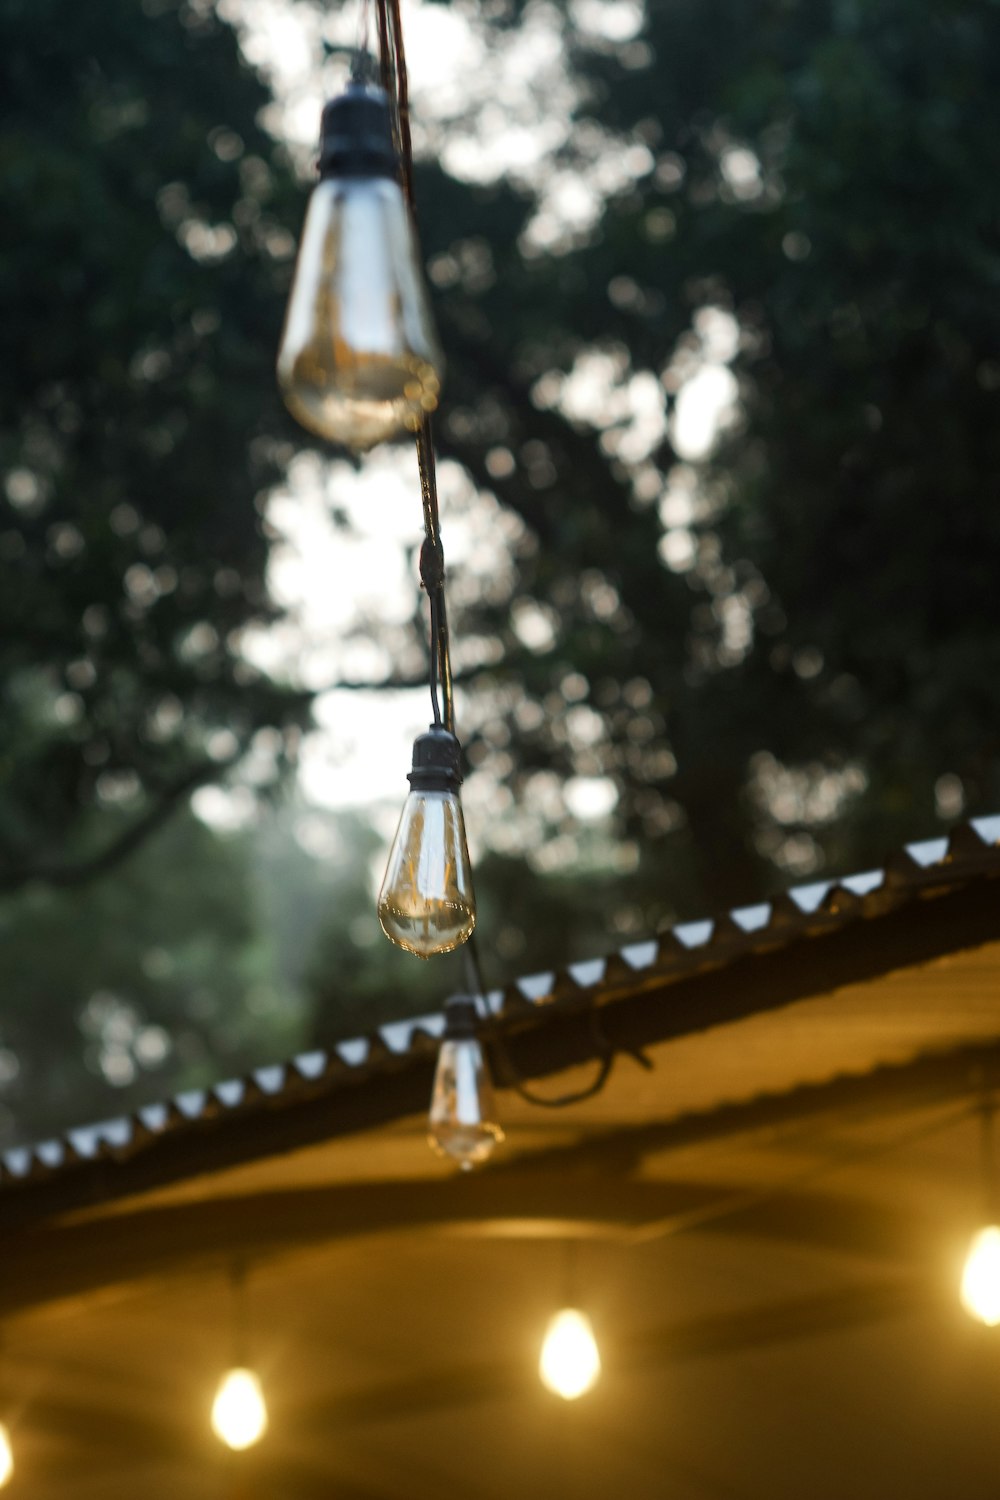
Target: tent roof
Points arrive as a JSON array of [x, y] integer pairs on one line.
[[691, 979], [770, 1198]]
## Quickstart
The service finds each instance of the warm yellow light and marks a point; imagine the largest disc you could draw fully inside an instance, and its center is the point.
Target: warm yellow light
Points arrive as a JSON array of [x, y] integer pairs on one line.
[[239, 1416], [6, 1456], [981, 1277], [570, 1363]]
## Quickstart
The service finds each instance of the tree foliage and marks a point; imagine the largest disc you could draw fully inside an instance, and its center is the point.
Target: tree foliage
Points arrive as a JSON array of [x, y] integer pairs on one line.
[[142, 264], [771, 655], [824, 653], [160, 975]]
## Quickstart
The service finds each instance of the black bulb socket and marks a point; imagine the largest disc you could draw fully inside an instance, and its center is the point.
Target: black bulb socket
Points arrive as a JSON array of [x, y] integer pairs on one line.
[[356, 135], [437, 762], [461, 1019]]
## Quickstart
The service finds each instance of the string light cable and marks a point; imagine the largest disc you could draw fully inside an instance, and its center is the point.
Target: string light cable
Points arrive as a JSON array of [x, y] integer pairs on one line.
[[395, 81], [463, 1123], [359, 362], [606, 1053], [426, 904], [427, 901]]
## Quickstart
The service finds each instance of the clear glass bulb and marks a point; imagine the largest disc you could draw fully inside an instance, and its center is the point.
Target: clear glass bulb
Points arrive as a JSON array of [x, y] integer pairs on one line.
[[981, 1277], [570, 1363], [462, 1122], [359, 360], [239, 1415], [6, 1456], [426, 904]]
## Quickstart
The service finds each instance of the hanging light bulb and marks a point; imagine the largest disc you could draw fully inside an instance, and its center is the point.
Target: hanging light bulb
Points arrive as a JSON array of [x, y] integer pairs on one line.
[[359, 359], [981, 1277], [570, 1362], [462, 1122], [239, 1414], [980, 1289], [6, 1456], [426, 904]]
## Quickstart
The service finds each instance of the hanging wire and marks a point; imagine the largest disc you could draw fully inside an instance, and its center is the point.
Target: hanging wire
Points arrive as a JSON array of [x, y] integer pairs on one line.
[[508, 1075], [392, 65], [605, 1055], [392, 69], [395, 81], [386, 59]]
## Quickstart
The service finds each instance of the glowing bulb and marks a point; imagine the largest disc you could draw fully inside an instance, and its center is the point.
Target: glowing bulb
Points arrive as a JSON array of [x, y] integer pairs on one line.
[[359, 359], [239, 1416], [570, 1362], [981, 1277], [6, 1456], [426, 904], [462, 1122]]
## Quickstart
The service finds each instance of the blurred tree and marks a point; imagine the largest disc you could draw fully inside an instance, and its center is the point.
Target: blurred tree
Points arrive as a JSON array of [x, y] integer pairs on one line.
[[159, 976], [142, 262], [789, 641], [709, 664]]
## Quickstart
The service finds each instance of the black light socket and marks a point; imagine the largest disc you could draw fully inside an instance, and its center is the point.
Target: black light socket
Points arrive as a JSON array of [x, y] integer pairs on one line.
[[356, 134], [461, 1019], [437, 762]]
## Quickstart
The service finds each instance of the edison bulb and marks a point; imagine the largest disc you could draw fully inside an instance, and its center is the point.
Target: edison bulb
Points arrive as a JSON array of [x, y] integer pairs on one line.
[[570, 1362], [981, 1277], [426, 904], [359, 360], [239, 1415], [462, 1122], [6, 1455]]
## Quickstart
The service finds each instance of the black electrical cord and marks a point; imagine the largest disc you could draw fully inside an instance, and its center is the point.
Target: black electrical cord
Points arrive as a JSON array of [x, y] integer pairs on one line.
[[508, 1075], [392, 63]]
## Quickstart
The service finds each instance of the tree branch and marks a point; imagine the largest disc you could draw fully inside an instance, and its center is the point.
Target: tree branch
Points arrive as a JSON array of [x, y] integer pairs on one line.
[[80, 872]]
